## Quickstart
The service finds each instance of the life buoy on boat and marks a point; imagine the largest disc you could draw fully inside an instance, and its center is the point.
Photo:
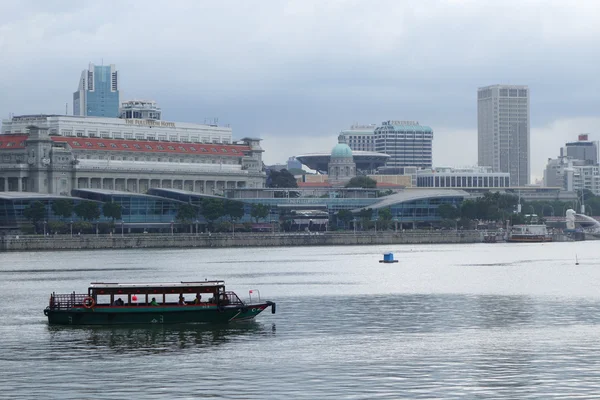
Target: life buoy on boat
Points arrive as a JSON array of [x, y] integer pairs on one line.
[[88, 302]]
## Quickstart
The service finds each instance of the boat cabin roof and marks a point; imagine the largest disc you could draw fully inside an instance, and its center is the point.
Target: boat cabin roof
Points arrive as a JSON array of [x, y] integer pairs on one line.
[[160, 286]]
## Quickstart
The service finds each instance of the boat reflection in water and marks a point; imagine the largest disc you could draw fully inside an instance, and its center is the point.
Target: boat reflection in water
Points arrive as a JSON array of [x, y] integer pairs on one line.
[[155, 339]]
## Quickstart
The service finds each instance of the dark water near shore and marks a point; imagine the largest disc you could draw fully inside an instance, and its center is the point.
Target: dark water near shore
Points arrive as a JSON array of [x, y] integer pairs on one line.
[[494, 321]]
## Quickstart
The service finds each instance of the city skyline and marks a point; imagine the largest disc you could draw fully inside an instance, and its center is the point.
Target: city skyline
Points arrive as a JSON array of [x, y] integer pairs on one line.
[[283, 72]]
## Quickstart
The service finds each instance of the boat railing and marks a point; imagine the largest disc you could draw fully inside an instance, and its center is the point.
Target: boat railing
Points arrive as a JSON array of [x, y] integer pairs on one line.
[[66, 301], [232, 299]]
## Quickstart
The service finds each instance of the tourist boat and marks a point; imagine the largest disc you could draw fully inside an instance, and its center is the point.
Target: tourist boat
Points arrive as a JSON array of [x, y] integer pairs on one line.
[[528, 234], [153, 303]]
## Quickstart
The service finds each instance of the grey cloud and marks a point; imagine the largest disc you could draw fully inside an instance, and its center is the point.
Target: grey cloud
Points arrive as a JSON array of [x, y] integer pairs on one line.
[[296, 67]]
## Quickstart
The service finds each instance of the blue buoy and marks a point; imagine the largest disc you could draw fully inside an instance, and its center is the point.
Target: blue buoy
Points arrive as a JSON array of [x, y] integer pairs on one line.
[[388, 258]]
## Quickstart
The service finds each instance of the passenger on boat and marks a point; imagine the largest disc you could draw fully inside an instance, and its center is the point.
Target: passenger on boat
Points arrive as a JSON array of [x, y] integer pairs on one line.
[[119, 302], [181, 300], [198, 298], [153, 302], [224, 299]]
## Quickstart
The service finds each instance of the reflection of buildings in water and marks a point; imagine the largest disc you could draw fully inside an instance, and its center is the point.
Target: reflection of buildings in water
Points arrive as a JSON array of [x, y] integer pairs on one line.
[[158, 339]]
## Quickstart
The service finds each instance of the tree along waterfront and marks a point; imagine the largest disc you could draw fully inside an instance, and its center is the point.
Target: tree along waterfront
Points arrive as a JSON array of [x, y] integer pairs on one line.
[[224, 215]]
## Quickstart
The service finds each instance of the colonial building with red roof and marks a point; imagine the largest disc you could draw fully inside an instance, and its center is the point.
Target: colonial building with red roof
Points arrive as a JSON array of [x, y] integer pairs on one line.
[[37, 161]]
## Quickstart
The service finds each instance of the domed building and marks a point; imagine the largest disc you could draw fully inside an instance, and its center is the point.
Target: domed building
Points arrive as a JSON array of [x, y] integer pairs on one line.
[[341, 166]]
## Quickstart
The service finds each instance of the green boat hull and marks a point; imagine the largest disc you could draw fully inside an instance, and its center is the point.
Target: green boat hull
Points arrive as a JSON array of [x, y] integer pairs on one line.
[[155, 315]]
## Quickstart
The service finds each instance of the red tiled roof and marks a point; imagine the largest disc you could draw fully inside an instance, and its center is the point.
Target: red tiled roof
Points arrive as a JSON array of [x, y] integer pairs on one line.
[[12, 141], [145, 146]]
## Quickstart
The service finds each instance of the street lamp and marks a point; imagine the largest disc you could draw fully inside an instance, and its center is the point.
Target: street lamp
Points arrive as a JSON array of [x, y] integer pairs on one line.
[[196, 227], [172, 223], [565, 209], [551, 209], [45, 222], [122, 223], [71, 224]]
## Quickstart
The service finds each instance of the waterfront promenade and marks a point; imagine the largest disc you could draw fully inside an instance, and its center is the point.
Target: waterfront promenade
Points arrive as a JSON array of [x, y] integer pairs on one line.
[[136, 241]]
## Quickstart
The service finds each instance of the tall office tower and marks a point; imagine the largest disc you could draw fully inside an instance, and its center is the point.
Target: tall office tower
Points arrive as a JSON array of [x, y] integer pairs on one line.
[[406, 142], [503, 130], [583, 150], [98, 92]]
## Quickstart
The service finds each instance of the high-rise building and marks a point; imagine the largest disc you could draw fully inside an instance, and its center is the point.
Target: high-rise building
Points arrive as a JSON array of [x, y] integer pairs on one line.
[[98, 92], [360, 137], [583, 150], [406, 142], [576, 168], [503, 130]]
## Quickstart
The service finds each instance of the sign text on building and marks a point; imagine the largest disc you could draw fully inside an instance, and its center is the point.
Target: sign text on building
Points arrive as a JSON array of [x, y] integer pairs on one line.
[[150, 122]]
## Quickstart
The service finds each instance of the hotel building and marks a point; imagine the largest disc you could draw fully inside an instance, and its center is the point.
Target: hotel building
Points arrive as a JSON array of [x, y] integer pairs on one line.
[[56, 154], [406, 142]]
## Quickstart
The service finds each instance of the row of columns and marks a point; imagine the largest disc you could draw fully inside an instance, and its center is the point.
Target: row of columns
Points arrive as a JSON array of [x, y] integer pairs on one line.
[[137, 185], [18, 184]]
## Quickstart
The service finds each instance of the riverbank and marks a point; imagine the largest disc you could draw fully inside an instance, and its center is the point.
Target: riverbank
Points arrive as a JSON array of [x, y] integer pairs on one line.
[[96, 242]]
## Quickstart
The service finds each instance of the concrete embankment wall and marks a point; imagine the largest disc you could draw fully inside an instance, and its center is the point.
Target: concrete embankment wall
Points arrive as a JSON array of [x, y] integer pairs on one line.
[[91, 242]]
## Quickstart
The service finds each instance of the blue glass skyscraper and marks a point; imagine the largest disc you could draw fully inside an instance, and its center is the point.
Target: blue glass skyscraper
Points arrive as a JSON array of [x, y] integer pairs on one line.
[[98, 92]]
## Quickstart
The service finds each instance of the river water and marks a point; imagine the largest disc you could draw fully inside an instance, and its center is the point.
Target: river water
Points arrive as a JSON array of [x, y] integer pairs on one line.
[[481, 321]]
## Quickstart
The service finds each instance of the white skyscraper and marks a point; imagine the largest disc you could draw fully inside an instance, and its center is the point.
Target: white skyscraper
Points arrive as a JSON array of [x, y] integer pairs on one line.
[[503, 130]]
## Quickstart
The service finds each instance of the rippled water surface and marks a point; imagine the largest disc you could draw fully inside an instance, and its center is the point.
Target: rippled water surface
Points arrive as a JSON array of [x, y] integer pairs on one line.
[[486, 321]]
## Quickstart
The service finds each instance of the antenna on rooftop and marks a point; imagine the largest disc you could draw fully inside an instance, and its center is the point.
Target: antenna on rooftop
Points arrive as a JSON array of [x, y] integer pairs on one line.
[[66, 108]]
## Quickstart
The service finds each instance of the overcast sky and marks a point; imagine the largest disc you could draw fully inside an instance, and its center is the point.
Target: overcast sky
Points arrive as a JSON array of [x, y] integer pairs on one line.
[[295, 73]]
